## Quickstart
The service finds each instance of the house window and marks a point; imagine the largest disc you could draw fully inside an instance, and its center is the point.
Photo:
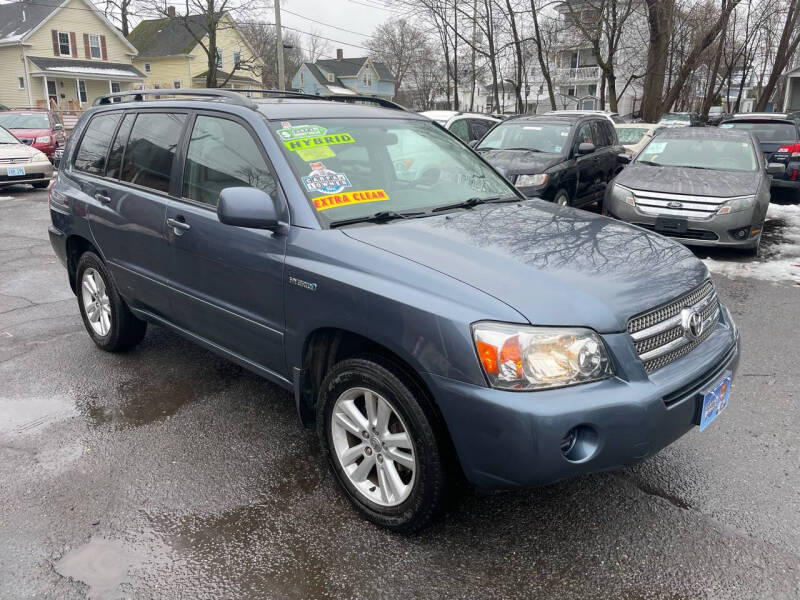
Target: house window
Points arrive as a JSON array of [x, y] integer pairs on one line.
[[220, 63], [82, 91], [302, 79], [115, 87], [176, 84], [94, 47], [64, 47], [237, 59], [146, 67], [331, 77], [366, 80], [21, 83]]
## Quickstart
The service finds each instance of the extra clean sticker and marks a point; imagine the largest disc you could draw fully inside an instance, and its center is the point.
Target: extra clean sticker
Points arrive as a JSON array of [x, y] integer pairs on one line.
[[323, 180], [293, 132], [315, 142], [348, 198], [312, 154]]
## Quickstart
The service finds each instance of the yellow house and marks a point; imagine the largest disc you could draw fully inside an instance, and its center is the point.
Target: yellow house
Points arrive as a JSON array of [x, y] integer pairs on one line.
[[170, 56], [62, 54]]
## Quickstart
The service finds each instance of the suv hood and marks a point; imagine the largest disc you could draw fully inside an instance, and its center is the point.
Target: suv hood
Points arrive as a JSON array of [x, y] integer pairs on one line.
[[698, 182], [521, 162], [554, 265]]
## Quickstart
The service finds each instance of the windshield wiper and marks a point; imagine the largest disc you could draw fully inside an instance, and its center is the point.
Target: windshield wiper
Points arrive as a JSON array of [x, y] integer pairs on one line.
[[648, 163], [524, 149], [383, 216], [470, 202]]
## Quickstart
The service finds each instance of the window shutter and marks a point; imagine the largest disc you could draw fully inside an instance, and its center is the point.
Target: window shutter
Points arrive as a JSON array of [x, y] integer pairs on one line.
[[55, 42], [73, 42], [86, 45], [103, 47]]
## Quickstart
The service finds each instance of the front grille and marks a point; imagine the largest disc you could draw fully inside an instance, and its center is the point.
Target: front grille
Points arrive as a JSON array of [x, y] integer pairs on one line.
[[15, 161], [689, 234], [658, 334], [678, 205]]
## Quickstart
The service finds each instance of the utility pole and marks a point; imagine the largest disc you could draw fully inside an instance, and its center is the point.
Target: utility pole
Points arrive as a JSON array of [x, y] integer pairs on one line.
[[279, 45]]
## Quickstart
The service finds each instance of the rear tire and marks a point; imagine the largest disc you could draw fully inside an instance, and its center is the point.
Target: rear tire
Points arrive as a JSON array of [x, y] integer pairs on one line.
[[400, 485], [107, 318]]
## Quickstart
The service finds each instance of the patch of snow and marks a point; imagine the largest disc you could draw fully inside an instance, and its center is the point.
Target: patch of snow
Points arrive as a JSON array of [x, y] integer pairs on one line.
[[340, 90], [94, 71]]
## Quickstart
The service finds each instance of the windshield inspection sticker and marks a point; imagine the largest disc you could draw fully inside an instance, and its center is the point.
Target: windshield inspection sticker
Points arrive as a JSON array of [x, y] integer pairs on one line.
[[348, 198], [312, 154], [322, 179], [726, 126], [289, 132], [656, 147], [314, 142]]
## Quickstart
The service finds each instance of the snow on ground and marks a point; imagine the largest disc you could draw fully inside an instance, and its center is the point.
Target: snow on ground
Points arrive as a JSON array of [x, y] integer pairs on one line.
[[779, 260]]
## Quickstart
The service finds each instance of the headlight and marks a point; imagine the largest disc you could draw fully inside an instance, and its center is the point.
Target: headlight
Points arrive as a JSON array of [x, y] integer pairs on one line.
[[737, 204], [45, 139], [520, 357], [621, 194], [39, 156], [531, 180]]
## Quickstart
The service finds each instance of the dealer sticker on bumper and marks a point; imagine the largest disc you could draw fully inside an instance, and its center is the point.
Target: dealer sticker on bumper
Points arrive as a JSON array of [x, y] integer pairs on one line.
[[715, 401]]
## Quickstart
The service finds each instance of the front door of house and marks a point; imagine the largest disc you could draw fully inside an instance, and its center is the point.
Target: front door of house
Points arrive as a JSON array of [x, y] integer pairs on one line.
[[52, 93]]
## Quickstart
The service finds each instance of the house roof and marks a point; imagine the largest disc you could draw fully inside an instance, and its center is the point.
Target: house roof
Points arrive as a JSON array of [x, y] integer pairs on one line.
[[223, 75], [18, 19], [86, 68], [349, 67], [167, 36]]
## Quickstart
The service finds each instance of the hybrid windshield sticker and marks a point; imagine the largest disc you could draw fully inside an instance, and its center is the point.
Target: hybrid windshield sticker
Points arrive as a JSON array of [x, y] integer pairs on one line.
[[315, 142], [348, 198], [312, 154], [321, 179], [289, 132]]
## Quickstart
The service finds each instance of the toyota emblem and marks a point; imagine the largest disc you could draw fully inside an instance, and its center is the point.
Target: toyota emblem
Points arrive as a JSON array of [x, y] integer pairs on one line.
[[692, 323]]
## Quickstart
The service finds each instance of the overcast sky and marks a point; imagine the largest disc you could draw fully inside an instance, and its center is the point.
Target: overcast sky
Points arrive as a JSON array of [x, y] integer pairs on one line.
[[360, 16]]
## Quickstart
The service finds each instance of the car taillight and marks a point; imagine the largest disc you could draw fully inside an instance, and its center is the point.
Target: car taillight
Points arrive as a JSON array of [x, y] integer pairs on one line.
[[793, 149]]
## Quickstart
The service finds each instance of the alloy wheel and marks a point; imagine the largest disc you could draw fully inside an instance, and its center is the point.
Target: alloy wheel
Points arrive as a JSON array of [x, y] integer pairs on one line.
[[96, 302]]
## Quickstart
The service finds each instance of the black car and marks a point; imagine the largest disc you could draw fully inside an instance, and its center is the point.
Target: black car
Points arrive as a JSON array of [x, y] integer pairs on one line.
[[779, 137], [717, 115], [681, 119], [568, 160]]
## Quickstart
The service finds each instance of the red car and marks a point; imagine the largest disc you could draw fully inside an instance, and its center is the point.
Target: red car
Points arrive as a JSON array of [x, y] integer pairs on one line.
[[41, 129]]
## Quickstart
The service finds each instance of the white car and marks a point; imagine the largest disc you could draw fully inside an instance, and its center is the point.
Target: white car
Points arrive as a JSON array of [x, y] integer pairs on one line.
[[635, 136], [615, 118], [466, 126]]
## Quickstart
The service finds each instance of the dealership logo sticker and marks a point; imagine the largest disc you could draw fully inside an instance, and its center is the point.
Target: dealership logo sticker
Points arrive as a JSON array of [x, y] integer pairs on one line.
[[348, 198], [322, 179], [289, 132], [314, 142]]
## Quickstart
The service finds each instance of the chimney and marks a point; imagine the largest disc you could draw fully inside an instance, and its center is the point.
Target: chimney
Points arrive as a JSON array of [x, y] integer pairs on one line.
[[171, 11], [339, 54]]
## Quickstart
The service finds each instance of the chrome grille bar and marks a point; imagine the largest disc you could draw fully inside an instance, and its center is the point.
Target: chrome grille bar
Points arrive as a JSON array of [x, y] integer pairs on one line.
[[698, 207]]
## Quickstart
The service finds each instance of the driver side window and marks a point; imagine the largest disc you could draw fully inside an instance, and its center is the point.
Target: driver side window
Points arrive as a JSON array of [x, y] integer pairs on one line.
[[584, 135]]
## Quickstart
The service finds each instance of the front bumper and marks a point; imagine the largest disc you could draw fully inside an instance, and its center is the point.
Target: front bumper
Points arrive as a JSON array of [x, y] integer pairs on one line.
[[716, 231], [514, 439], [34, 171]]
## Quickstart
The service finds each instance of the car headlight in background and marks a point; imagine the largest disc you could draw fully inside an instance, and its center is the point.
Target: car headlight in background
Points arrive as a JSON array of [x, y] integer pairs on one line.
[[45, 139], [531, 180], [521, 357], [621, 194], [737, 205]]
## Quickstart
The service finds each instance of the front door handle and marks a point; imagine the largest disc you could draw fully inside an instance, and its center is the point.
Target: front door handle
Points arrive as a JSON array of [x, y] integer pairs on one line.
[[178, 225], [102, 198]]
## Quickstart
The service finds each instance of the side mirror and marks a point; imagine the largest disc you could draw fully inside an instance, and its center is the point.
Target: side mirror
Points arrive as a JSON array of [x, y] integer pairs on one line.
[[776, 168], [58, 127], [586, 148], [623, 159], [247, 207]]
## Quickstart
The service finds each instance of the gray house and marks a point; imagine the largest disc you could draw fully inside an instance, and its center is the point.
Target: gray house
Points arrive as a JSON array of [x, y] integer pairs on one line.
[[345, 76]]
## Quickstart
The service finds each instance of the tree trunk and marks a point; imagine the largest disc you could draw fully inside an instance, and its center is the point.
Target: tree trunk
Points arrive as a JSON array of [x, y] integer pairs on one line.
[[540, 53], [602, 91], [709, 97], [659, 21], [786, 48]]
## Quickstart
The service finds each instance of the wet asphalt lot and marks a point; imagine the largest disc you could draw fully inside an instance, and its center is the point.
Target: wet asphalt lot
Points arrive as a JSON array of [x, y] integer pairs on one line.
[[171, 473]]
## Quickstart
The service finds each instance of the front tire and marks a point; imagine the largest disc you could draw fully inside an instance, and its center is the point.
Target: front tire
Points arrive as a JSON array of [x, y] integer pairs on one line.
[[561, 198], [107, 318], [381, 444]]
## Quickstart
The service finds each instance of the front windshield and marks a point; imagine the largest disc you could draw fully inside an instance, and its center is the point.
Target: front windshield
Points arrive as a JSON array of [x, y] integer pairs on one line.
[[675, 117], [766, 131], [716, 154], [351, 168], [24, 121], [541, 137], [630, 135], [7, 138]]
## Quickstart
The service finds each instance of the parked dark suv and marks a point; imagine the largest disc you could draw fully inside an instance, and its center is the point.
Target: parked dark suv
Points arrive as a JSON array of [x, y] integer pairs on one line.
[[566, 159], [429, 319]]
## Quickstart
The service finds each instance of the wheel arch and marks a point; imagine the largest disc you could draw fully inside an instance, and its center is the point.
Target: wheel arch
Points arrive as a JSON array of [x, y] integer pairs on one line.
[[77, 245]]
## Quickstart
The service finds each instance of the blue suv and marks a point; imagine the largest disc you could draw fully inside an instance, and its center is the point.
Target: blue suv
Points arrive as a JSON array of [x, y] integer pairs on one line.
[[432, 323]]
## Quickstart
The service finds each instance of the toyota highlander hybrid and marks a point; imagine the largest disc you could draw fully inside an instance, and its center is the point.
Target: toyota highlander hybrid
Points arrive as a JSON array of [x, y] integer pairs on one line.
[[431, 322]]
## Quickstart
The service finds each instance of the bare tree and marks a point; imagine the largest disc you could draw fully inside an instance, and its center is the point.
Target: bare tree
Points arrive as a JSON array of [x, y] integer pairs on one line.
[[261, 37], [119, 11], [316, 47], [397, 44], [787, 46]]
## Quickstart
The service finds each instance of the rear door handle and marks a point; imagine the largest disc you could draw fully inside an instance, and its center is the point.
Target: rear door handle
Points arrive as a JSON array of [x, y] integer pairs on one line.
[[102, 198], [178, 225]]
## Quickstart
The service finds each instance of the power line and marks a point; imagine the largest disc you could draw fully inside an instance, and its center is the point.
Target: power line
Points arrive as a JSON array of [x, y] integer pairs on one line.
[[286, 10]]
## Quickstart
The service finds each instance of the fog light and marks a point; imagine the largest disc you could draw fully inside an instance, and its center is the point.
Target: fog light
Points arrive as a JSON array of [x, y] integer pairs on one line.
[[740, 234], [568, 441], [580, 443]]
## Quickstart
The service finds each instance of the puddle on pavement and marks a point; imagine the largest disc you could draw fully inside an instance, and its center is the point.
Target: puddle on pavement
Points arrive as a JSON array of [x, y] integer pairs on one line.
[[102, 565], [22, 416]]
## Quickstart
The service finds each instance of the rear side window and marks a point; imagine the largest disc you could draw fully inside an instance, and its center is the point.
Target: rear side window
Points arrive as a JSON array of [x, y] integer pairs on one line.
[[151, 150], [114, 163], [223, 154], [91, 155]]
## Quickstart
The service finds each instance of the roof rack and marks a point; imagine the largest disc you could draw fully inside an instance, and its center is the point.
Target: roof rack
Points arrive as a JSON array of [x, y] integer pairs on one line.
[[354, 99], [216, 93]]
